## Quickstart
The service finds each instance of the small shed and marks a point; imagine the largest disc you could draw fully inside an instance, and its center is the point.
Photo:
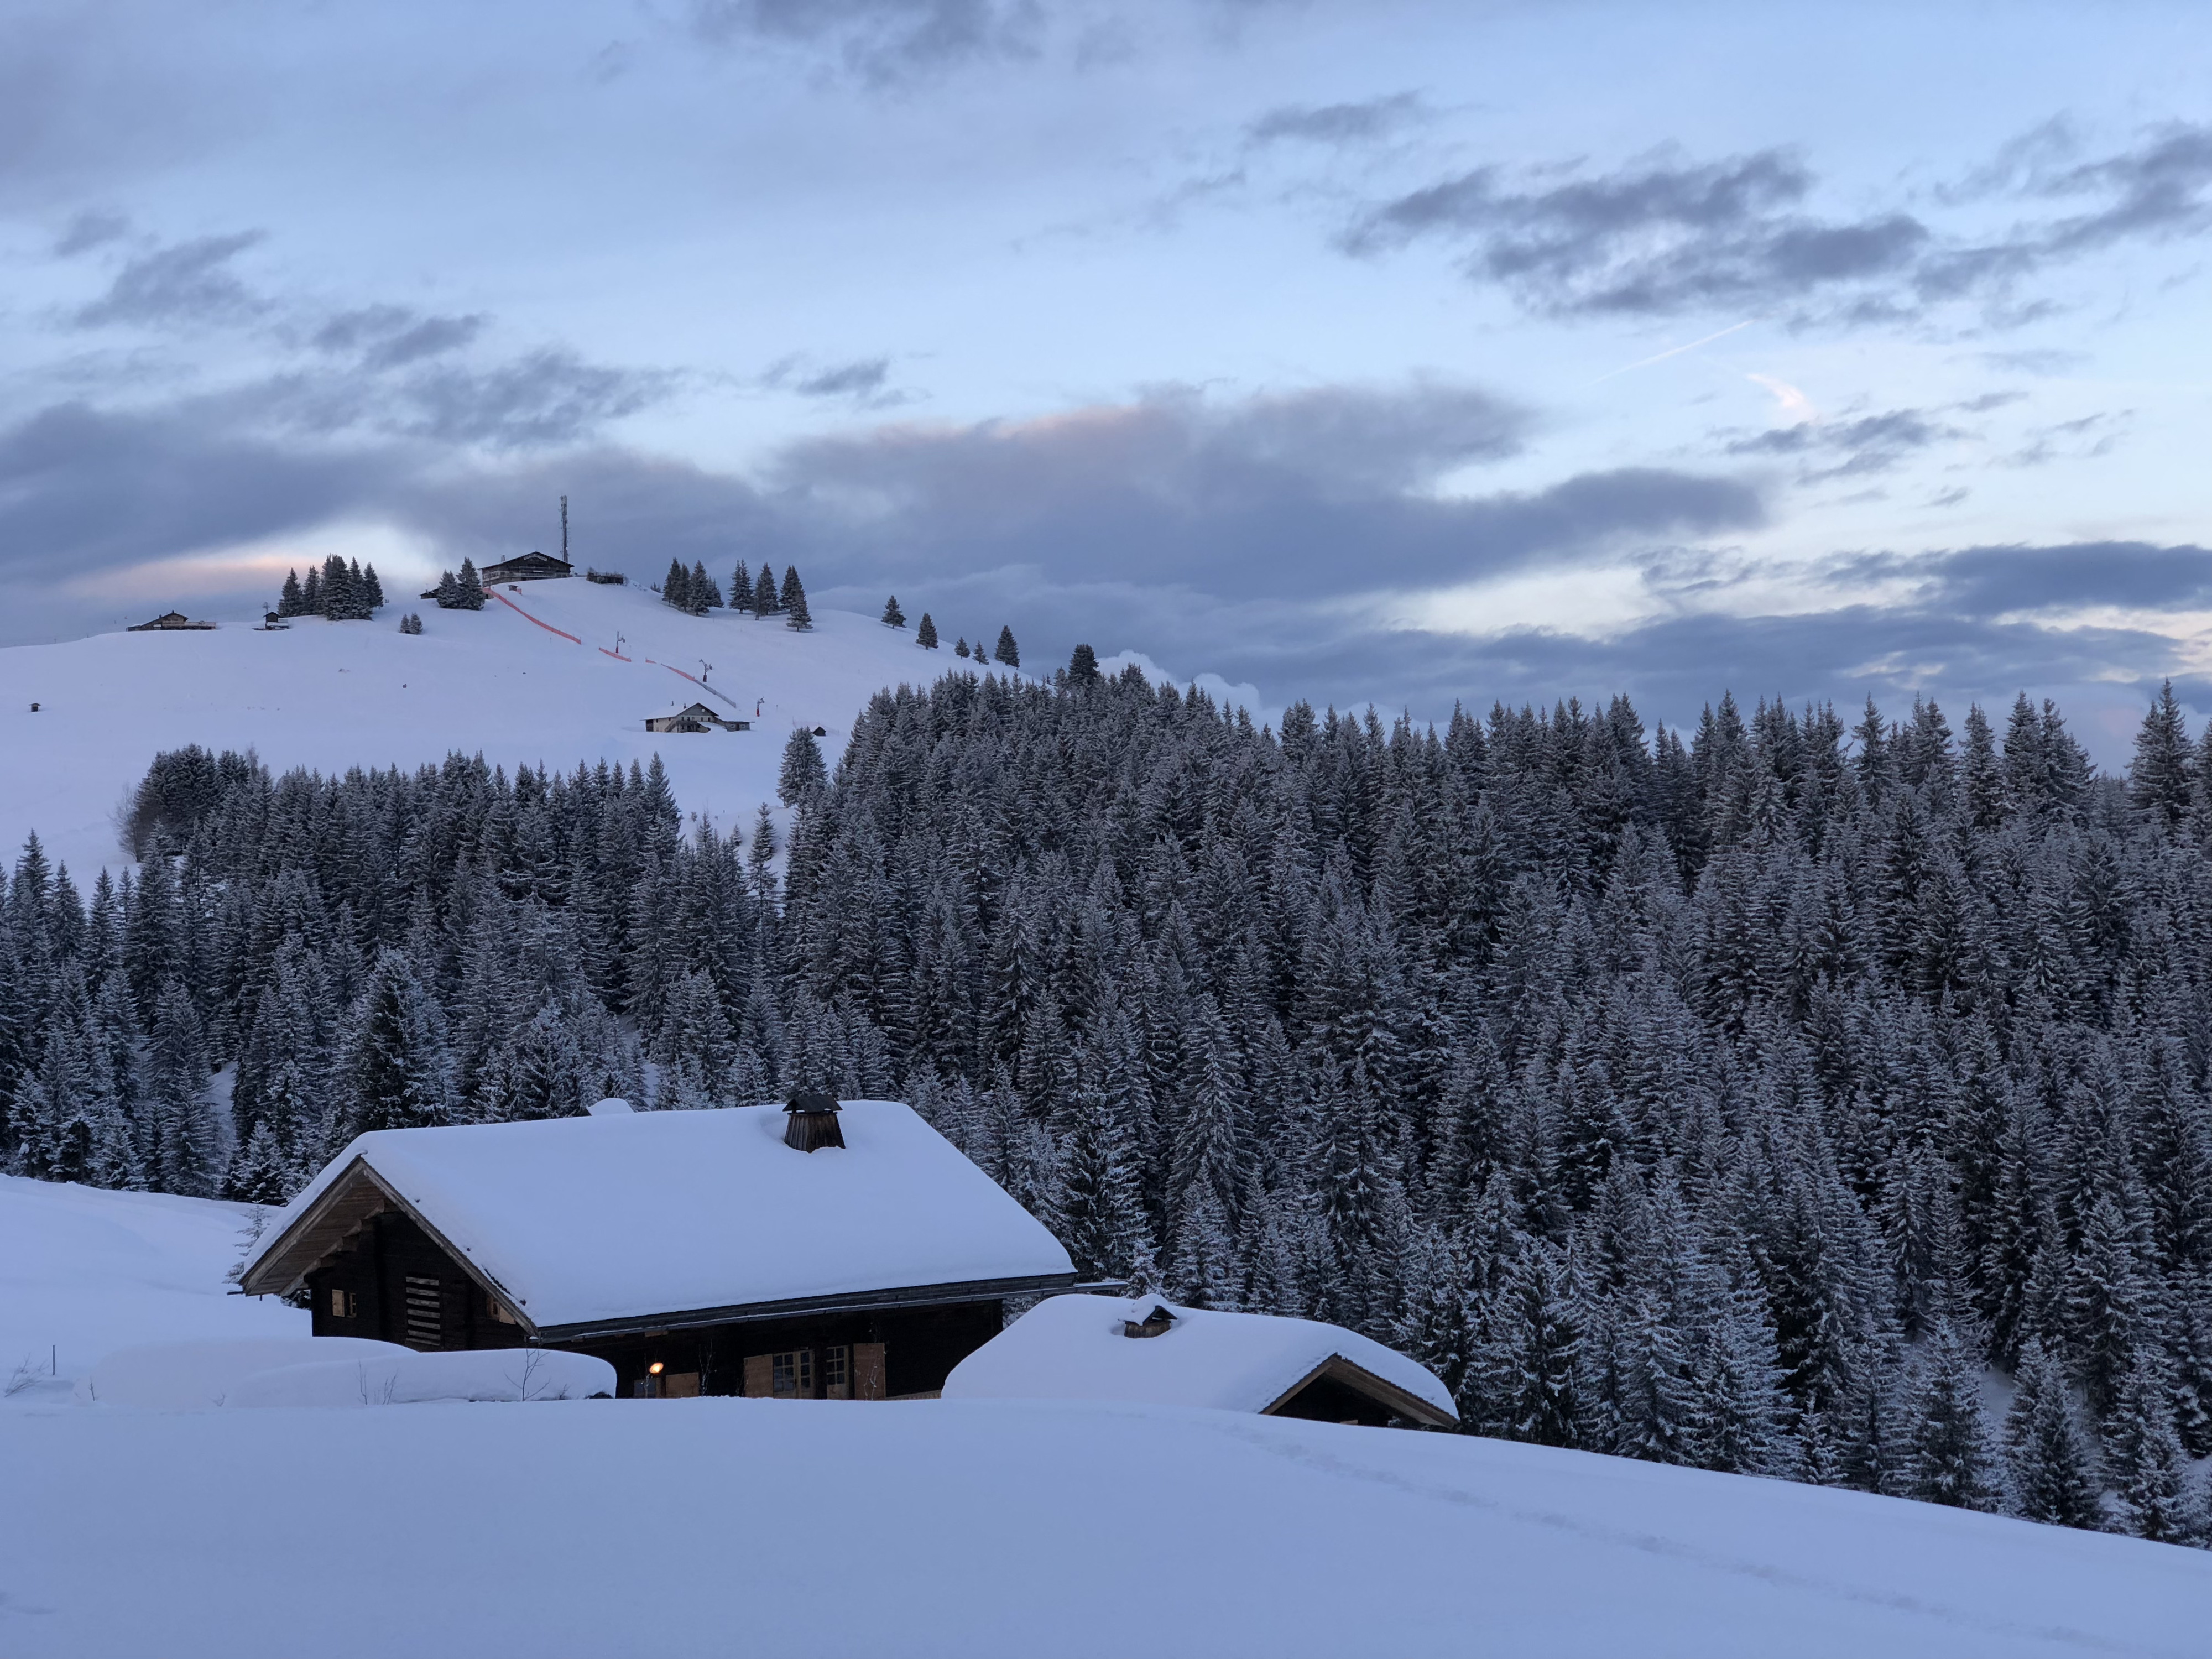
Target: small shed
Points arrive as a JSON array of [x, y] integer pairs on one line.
[[1090, 1347], [700, 1252], [528, 567], [171, 621]]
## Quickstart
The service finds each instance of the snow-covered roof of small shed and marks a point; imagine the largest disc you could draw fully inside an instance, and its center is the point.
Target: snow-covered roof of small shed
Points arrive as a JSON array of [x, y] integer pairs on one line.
[[583, 1221], [1073, 1348]]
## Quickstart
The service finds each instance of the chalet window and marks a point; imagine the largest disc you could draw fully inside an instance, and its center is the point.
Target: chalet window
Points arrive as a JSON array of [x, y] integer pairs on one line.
[[497, 1310], [837, 1372], [344, 1305], [791, 1374]]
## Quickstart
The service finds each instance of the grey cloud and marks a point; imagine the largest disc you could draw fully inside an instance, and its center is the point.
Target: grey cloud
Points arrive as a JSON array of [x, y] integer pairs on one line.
[[862, 379], [391, 336], [83, 489], [1990, 581], [880, 41], [89, 229], [546, 397], [1873, 443], [1666, 237], [188, 282], [1339, 123], [1278, 496]]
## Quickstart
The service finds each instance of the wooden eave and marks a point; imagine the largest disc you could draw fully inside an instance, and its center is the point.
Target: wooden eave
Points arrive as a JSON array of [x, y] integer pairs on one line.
[[1360, 1379], [355, 1196], [741, 1313]]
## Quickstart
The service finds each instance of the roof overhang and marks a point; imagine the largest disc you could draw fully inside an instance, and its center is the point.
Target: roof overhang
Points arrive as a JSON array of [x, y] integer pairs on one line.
[[908, 1296], [352, 1200], [1360, 1379]]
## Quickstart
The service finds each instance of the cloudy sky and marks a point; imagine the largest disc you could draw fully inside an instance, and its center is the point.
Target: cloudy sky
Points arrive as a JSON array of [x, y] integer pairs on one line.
[[1363, 352]]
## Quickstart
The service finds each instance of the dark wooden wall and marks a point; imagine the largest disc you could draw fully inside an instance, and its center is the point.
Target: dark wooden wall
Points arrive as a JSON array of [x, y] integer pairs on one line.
[[448, 1311], [921, 1346], [405, 1290]]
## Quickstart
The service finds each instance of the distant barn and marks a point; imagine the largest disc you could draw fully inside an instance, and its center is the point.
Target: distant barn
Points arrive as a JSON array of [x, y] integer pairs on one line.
[[701, 1252], [529, 568], [697, 718], [172, 621]]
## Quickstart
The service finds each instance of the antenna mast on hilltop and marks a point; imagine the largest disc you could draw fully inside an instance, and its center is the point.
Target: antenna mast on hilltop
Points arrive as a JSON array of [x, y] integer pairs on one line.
[[564, 530]]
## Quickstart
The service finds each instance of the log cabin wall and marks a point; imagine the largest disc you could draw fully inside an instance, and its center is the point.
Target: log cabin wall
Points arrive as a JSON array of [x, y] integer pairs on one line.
[[921, 1347], [393, 1283]]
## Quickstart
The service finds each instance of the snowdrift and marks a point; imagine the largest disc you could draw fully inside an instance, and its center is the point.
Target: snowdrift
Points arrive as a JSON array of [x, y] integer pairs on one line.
[[195, 1376], [408, 1378]]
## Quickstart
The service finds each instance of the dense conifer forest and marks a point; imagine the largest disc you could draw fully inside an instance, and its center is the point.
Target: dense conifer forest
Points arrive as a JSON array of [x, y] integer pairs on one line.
[[1736, 1098]]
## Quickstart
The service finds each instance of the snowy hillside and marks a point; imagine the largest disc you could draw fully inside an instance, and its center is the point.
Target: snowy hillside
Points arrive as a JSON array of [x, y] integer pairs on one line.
[[971, 1527], [531, 677]]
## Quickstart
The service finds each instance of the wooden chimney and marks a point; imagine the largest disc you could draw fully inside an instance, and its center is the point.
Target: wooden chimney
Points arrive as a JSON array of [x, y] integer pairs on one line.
[[1154, 1323], [811, 1122]]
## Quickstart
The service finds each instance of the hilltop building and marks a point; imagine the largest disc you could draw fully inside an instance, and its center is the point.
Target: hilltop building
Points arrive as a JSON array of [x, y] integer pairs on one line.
[[528, 567]]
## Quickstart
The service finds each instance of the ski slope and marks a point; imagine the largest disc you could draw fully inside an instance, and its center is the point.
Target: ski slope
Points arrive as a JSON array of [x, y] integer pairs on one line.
[[974, 1528], [533, 678]]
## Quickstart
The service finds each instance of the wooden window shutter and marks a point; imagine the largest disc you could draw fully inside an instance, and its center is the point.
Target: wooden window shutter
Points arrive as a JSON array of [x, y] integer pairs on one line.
[[760, 1380], [868, 1371]]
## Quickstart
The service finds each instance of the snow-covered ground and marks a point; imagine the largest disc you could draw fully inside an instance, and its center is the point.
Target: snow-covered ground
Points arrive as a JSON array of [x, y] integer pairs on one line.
[[333, 696], [956, 1528], [83, 1272]]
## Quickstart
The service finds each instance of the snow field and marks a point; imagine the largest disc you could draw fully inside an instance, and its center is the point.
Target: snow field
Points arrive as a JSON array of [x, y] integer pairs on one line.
[[333, 696], [956, 1528], [983, 1529]]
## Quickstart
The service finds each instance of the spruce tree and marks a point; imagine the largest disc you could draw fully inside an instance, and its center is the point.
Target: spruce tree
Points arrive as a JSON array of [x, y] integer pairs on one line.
[[1951, 1458], [893, 617], [399, 1071], [793, 600], [371, 590], [960, 648], [925, 636], [1083, 666], [802, 776], [448, 592], [2159, 1496], [702, 595], [469, 591], [675, 586], [2158, 782], [290, 602], [2053, 1467], [741, 589], [1008, 653], [764, 598]]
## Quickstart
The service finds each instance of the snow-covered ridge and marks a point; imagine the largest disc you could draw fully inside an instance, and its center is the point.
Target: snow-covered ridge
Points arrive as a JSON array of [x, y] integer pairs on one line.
[[532, 679]]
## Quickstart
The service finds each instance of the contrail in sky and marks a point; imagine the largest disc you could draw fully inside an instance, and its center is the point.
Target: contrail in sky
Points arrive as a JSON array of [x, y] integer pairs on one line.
[[1673, 351]]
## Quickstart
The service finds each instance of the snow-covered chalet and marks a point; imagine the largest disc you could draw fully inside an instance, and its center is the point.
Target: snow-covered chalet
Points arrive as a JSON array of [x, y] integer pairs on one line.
[[827, 1250]]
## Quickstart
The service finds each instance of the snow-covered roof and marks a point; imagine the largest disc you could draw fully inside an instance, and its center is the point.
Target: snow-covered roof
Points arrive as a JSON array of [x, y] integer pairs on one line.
[[587, 1221], [1074, 1348]]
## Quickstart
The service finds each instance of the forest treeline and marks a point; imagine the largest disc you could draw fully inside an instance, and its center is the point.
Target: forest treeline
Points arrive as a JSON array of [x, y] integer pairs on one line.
[[1732, 1097]]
